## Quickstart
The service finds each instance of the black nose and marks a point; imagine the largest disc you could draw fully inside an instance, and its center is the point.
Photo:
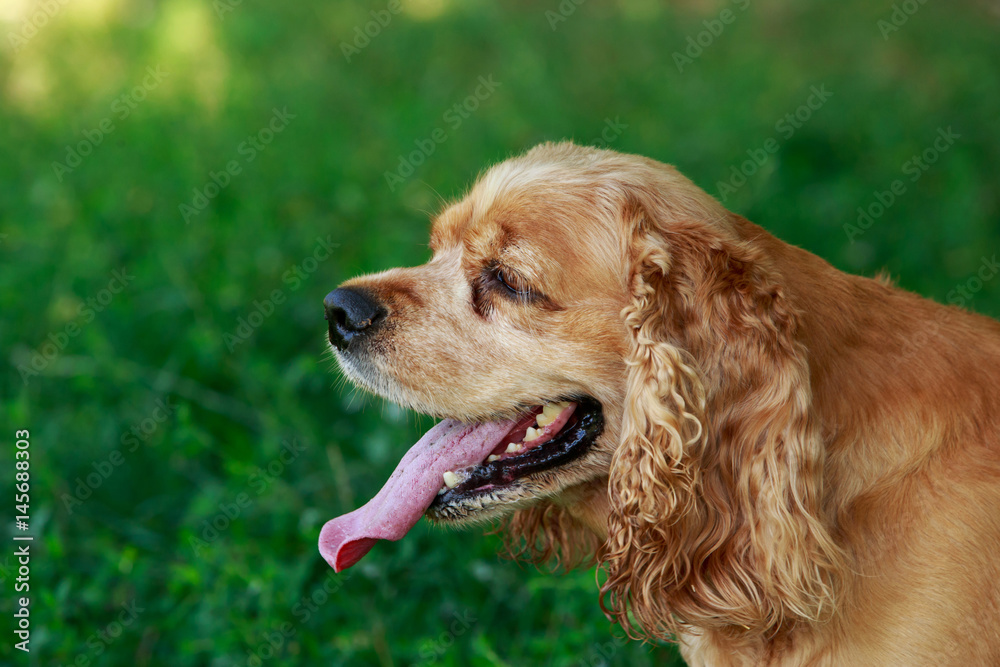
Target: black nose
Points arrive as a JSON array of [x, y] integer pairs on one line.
[[351, 311]]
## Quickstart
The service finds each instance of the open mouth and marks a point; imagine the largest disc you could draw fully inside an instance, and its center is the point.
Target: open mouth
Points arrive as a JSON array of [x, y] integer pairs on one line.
[[547, 437], [459, 470]]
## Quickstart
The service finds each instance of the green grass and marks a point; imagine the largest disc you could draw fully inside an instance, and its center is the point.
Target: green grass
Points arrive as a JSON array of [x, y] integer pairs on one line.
[[169, 334]]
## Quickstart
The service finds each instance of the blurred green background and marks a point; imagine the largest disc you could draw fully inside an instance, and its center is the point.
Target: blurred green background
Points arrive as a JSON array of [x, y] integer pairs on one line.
[[189, 431]]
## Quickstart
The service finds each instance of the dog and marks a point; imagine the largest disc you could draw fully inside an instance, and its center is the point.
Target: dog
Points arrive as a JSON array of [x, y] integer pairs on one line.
[[774, 462]]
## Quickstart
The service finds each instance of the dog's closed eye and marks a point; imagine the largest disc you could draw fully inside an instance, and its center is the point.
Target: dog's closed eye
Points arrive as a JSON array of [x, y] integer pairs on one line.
[[498, 281], [511, 283]]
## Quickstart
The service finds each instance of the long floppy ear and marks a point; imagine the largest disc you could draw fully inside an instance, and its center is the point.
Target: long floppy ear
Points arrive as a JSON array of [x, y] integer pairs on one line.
[[717, 483]]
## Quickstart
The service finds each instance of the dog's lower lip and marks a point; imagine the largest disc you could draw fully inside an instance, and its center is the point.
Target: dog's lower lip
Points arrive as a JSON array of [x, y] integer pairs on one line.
[[570, 444]]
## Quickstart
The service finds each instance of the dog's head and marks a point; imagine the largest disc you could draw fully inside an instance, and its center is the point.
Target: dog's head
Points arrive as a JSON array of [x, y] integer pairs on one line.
[[605, 346]]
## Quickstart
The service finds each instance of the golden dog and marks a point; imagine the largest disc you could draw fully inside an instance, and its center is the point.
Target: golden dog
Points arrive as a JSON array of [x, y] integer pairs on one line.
[[776, 463]]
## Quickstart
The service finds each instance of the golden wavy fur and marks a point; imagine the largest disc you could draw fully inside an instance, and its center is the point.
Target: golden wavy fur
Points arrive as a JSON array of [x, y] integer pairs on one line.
[[799, 466]]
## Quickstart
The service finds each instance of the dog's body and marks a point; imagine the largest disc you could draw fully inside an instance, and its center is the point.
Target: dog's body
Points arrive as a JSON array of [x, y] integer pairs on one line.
[[796, 467], [905, 393]]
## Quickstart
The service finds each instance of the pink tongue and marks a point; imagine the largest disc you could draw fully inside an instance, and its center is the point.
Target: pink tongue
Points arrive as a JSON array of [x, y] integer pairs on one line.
[[450, 445]]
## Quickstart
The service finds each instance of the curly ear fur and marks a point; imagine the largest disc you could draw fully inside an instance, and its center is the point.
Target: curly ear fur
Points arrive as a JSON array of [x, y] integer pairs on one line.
[[717, 483]]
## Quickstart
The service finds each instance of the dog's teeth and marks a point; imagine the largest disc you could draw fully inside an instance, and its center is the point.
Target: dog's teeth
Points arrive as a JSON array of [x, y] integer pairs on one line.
[[513, 448], [491, 458], [549, 412], [450, 479], [532, 434]]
